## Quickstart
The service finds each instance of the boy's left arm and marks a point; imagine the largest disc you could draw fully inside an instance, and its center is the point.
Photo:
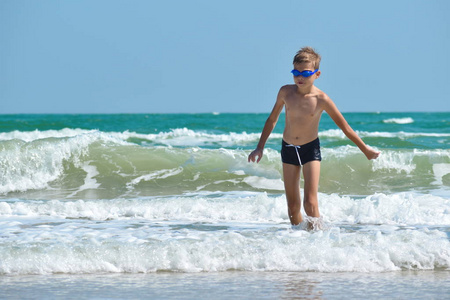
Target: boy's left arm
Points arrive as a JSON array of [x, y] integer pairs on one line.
[[340, 121]]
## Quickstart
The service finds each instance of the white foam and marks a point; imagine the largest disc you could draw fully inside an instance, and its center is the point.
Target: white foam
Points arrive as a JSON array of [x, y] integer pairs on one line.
[[337, 133], [191, 138], [29, 136], [396, 209], [340, 152], [200, 209], [399, 161], [89, 182], [76, 247], [34, 164], [407, 120], [264, 183], [159, 174], [440, 170], [206, 232], [396, 161], [188, 137]]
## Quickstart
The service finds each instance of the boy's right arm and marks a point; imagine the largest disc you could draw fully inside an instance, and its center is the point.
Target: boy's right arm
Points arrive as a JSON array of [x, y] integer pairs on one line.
[[271, 121]]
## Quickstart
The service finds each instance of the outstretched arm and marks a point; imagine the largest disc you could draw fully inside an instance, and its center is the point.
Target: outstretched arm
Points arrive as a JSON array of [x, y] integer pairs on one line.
[[271, 121], [340, 121]]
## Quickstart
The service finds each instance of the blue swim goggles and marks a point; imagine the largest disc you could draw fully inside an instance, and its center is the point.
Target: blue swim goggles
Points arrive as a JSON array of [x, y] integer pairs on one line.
[[305, 73]]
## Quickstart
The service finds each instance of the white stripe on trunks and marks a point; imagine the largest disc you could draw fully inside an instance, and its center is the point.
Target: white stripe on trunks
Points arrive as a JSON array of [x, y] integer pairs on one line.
[[296, 151]]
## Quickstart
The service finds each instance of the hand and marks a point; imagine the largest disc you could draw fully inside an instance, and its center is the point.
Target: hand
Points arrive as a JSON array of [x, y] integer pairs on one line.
[[256, 153], [371, 154]]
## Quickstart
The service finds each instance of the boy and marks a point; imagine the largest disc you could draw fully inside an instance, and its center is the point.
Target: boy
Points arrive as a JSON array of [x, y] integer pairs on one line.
[[304, 104]]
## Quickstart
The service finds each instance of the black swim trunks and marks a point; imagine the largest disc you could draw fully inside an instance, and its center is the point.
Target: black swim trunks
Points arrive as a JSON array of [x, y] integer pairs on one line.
[[300, 155]]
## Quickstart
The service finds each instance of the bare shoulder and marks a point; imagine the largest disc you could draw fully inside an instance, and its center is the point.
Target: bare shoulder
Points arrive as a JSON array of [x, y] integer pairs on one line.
[[285, 91], [328, 105], [288, 88], [323, 99]]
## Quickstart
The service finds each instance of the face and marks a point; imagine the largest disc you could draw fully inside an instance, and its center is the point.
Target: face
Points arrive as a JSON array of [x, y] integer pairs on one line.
[[301, 81]]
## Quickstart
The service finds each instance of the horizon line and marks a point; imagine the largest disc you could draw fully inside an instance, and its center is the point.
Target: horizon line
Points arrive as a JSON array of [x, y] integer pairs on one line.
[[199, 113]]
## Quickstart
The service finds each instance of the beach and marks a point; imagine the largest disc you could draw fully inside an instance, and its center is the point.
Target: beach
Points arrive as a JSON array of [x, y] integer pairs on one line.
[[131, 206]]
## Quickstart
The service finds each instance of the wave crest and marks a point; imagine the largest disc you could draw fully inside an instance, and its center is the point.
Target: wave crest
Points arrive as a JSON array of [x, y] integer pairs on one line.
[[93, 164], [407, 120]]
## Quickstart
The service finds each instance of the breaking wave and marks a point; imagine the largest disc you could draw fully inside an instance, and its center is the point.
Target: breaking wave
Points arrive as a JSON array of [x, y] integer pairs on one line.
[[407, 120], [93, 164], [213, 232]]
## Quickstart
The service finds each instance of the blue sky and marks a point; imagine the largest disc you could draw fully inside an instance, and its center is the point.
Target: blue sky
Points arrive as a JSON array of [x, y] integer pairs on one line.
[[219, 56]]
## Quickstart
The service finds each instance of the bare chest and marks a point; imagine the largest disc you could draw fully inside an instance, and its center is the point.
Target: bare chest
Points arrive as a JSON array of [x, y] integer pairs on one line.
[[302, 107]]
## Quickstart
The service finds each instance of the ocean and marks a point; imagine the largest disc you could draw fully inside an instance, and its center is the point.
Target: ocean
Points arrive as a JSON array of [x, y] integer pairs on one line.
[[132, 206]]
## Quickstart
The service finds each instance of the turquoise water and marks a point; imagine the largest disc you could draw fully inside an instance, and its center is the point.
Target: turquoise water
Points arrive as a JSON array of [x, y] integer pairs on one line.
[[396, 130], [150, 193], [53, 154]]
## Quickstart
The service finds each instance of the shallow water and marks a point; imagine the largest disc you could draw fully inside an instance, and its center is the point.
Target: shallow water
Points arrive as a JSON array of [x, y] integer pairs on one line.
[[229, 285]]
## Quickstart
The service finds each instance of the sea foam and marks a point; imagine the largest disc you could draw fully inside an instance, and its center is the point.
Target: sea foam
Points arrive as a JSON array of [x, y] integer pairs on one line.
[[142, 248], [399, 209], [407, 120], [184, 137]]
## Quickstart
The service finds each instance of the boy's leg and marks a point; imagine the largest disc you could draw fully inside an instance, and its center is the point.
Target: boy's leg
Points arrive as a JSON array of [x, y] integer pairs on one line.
[[311, 175], [291, 176]]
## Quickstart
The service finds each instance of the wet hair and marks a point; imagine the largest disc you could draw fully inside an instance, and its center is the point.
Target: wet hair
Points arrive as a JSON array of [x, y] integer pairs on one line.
[[307, 54]]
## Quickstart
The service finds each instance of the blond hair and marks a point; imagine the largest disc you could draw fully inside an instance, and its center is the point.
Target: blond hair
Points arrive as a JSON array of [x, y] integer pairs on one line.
[[307, 54]]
